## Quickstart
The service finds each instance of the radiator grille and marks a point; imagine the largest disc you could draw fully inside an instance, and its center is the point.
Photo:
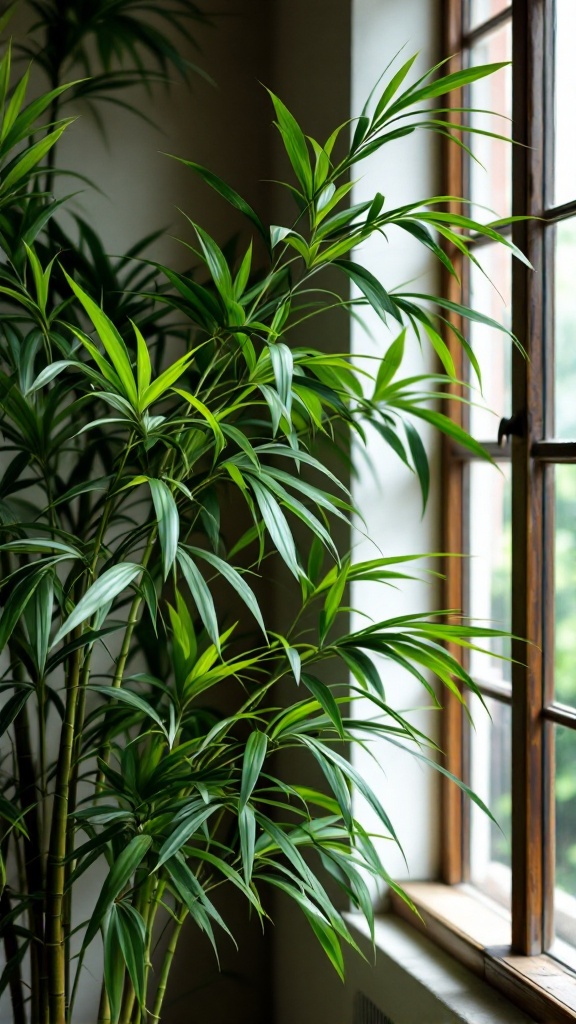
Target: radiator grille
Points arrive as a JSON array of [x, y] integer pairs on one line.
[[366, 1012]]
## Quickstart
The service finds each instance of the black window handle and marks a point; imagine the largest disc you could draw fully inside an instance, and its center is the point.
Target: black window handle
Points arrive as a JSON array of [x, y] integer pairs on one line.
[[512, 426]]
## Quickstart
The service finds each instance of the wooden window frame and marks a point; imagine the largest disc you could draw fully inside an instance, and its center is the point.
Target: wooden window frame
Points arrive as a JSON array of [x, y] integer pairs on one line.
[[514, 959]]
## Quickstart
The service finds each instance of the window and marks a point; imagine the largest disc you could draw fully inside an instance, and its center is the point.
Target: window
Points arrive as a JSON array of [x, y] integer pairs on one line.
[[518, 525]]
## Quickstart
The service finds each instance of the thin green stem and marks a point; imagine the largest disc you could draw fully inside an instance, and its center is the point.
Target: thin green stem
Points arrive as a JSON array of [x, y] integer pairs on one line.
[[80, 714], [154, 906], [55, 938], [125, 650], [167, 964]]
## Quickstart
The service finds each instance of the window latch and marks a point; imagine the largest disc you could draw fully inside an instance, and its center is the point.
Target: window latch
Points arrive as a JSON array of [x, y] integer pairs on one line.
[[512, 426]]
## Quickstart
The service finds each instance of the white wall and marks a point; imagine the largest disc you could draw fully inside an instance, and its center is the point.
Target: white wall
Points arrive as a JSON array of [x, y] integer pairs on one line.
[[389, 496]]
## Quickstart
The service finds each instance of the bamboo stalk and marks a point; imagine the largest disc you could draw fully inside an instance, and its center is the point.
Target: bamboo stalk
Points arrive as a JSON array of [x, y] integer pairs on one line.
[[125, 649], [79, 719], [11, 950], [33, 861], [167, 964], [104, 1016], [55, 939], [156, 900]]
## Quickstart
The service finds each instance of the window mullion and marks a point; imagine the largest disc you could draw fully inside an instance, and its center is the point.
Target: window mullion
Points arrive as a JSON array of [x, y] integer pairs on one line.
[[528, 814], [452, 725]]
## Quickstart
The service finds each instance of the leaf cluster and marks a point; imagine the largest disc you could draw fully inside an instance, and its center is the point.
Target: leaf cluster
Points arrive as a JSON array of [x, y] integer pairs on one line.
[[166, 450]]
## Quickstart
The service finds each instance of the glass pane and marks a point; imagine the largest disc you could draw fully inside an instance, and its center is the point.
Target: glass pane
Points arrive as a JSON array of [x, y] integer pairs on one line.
[[491, 780], [565, 87], [565, 805], [491, 171], [491, 292], [565, 330], [490, 564], [565, 587], [483, 10]]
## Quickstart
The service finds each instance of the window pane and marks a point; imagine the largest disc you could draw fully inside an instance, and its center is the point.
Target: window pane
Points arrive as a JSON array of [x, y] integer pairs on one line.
[[491, 171], [491, 292], [489, 565], [483, 10], [565, 803], [565, 587], [565, 87], [491, 780], [565, 330]]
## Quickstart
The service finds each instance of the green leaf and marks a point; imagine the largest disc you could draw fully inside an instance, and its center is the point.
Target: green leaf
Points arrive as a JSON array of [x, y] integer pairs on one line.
[[389, 366], [356, 778], [393, 86], [235, 580], [118, 878], [446, 425], [113, 966], [168, 522], [16, 603], [22, 166], [208, 416], [49, 373], [326, 700], [247, 829], [444, 771], [277, 526], [111, 340], [465, 311], [184, 832], [12, 814], [370, 286], [420, 460], [38, 615], [327, 938], [446, 84], [333, 600], [132, 937], [133, 700], [283, 366], [253, 760], [13, 707], [201, 595], [158, 388], [216, 263], [101, 593], [227, 192], [295, 144], [193, 896], [143, 364]]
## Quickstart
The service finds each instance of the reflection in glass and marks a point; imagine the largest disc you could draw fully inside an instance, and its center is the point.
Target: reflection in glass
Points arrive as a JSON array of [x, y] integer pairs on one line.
[[489, 566], [565, 330], [491, 170], [565, 155], [483, 10], [565, 587], [491, 780], [491, 292]]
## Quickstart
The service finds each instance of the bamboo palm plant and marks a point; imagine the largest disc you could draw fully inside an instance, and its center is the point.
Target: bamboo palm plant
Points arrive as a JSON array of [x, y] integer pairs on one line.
[[125, 439]]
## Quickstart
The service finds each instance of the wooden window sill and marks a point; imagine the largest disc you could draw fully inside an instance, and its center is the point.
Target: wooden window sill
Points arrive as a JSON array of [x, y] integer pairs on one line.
[[478, 934]]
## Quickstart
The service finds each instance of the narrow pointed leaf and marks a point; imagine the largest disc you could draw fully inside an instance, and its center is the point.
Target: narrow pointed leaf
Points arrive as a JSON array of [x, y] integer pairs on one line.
[[254, 755], [101, 593]]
